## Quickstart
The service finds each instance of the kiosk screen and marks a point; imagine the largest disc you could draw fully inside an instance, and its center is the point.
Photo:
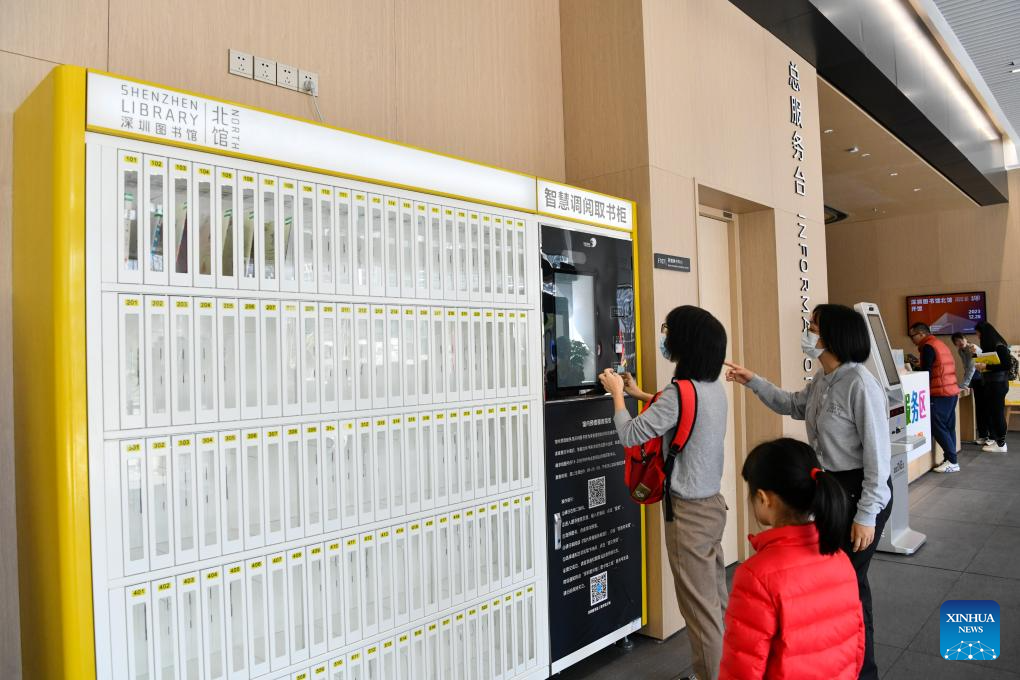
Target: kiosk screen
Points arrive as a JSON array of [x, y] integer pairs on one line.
[[575, 329], [892, 376]]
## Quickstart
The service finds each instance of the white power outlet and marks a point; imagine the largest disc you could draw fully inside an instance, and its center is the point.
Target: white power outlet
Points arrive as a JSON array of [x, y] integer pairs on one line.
[[265, 70], [308, 82], [287, 76], [240, 63]]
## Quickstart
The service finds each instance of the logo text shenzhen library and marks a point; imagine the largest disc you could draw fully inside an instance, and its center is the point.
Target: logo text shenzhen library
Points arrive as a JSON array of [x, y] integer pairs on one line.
[[969, 630]]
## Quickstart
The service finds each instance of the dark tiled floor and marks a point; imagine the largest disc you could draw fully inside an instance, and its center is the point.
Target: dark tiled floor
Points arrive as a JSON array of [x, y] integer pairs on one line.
[[972, 520]]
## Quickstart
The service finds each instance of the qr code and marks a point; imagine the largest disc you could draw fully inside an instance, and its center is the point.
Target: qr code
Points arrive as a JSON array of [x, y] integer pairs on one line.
[[596, 492], [598, 587]]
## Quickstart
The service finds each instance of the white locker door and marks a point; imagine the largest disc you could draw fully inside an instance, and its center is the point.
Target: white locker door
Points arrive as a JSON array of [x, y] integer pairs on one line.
[[531, 648], [214, 643], [453, 356], [384, 549], [267, 252], [444, 562], [366, 472], [204, 262], [206, 362], [446, 653], [474, 257], [354, 666], [528, 538], [410, 355], [457, 557], [454, 458], [484, 549], [353, 589], [517, 529], [185, 495], [288, 244], [427, 456], [409, 264], [436, 271], [209, 495], [189, 627], [394, 357], [393, 262], [441, 458], [509, 252], [495, 547], [317, 639], [433, 656], [503, 434], [376, 246], [229, 360], [331, 476], [182, 347], [294, 483], [327, 240], [180, 223], [349, 477], [405, 669], [250, 233], [271, 353], [231, 475], [415, 570], [422, 279], [464, 351], [361, 244], [129, 187], [499, 261], [526, 448], [509, 636], [345, 359], [498, 639], [522, 254], [487, 258], [154, 220], [459, 644], [478, 452], [157, 360], [412, 465], [492, 450], [463, 271], [275, 478], [490, 354], [389, 659], [470, 555], [313, 481], [425, 381], [501, 355], [279, 628], [342, 201], [226, 231], [429, 566], [401, 599], [506, 543], [363, 366], [467, 455], [338, 668], [160, 494], [379, 360], [328, 357], [139, 632], [449, 255], [398, 477], [370, 583], [477, 355], [250, 360], [132, 362], [485, 649], [308, 238], [296, 585], [382, 469], [513, 386], [291, 363], [236, 626], [373, 663], [516, 450], [254, 489], [134, 506], [335, 601], [523, 362], [310, 358], [257, 590], [471, 644]]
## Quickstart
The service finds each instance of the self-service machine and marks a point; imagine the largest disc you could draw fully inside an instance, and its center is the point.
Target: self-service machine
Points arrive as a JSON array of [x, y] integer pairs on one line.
[[897, 537], [594, 529]]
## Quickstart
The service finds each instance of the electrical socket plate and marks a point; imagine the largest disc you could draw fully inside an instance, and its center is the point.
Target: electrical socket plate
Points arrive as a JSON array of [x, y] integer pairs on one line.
[[287, 76], [308, 83], [240, 63], [265, 70]]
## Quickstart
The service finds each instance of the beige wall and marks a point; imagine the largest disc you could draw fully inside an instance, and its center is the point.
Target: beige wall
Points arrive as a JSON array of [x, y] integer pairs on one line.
[[474, 78], [696, 106]]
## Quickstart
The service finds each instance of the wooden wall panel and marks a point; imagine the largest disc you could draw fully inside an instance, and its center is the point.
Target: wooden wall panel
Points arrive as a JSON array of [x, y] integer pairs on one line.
[[56, 31]]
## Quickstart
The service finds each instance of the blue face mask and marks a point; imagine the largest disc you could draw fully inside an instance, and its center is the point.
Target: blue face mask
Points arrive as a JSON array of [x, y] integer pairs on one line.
[[662, 347]]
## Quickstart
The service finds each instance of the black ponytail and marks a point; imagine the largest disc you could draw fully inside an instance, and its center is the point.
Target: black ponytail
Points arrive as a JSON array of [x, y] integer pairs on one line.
[[790, 469]]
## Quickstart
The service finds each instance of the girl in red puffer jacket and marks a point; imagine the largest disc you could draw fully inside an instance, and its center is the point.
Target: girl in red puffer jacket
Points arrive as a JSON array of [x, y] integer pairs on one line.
[[794, 612]]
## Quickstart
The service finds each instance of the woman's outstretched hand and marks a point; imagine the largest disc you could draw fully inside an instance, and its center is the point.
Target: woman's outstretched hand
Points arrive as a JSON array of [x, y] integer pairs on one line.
[[737, 374], [612, 382]]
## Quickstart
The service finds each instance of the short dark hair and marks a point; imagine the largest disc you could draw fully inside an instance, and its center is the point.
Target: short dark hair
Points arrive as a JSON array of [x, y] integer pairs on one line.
[[919, 328], [696, 342], [957, 336], [844, 332]]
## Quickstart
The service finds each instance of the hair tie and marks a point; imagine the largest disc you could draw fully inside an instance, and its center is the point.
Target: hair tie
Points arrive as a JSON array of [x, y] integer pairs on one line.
[[814, 473]]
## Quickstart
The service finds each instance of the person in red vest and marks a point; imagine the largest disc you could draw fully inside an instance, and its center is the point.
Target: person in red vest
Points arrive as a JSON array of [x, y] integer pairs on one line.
[[794, 612], [944, 392]]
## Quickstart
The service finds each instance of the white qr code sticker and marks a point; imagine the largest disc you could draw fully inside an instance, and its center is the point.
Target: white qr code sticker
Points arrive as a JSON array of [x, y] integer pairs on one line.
[[596, 492], [598, 587]]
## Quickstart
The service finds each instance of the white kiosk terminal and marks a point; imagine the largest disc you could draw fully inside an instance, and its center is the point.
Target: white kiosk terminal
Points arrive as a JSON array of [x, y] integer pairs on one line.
[[897, 537]]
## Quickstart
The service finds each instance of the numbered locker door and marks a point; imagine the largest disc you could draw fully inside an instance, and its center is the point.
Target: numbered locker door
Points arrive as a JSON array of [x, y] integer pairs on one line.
[[182, 346], [235, 623], [408, 262], [495, 547], [433, 655], [463, 270], [436, 270], [393, 261], [363, 365], [231, 475], [530, 614], [132, 362], [253, 465], [512, 370], [181, 223], [157, 360], [439, 355], [160, 494], [527, 438], [308, 238], [361, 253], [185, 494], [373, 662], [266, 245], [229, 360], [487, 258], [444, 563], [453, 355], [521, 632], [484, 549], [206, 353], [394, 357], [441, 458], [405, 669], [477, 354], [344, 241], [502, 384], [516, 447], [328, 358], [366, 471], [279, 628], [387, 609], [509, 636], [275, 504], [415, 570], [251, 231], [430, 566], [498, 260], [289, 257], [454, 458], [522, 254], [129, 238], [471, 644], [226, 231], [345, 359], [354, 666], [412, 465], [459, 644], [478, 451], [490, 354], [474, 257], [509, 253], [485, 648], [457, 557], [409, 356], [422, 278], [389, 658], [465, 347], [470, 555], [294, 483], [134, 506], [189, 623], [205, 241], [291, 363], [297, 581], [338, 668], [313, 480], [524, 354], [209, 528], [505, 452], [370, 583], [335, 601], [379, 358], [506, 541], [271, 359], [154, 221], [400, 561], [213, 640], [251, 360], [317, 638], [449, 254], [447, 667], [353, 589], [424, 335], [498, 638], [492, 450], [382, 469], [517, 528], [310, 358], [139, 641], [332, 469], [349, 474], [327, 240], [376, 245], [528, 537], [257, 592], [399, 469]]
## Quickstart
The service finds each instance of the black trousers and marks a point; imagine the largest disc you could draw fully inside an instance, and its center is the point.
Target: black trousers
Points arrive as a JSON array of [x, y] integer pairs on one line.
[[993, 403], [980, 408], [853, 481]]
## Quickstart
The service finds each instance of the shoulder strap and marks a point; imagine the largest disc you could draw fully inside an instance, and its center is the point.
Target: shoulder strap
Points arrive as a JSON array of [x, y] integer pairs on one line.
[[687, 414]]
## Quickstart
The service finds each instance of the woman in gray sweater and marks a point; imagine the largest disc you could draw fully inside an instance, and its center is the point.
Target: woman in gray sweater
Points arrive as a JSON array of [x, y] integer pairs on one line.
[[846, 413], [696, 342]]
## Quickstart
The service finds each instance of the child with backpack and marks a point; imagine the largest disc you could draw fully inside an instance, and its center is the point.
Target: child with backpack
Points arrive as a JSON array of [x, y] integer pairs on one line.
[[794, 611], [695, 341]]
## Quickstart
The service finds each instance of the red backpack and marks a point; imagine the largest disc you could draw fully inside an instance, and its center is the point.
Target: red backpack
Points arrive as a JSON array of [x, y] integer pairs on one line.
[[647, 470]]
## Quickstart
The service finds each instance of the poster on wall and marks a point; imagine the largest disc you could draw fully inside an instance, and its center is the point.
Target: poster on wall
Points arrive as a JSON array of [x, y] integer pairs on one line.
[[594, 527]]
